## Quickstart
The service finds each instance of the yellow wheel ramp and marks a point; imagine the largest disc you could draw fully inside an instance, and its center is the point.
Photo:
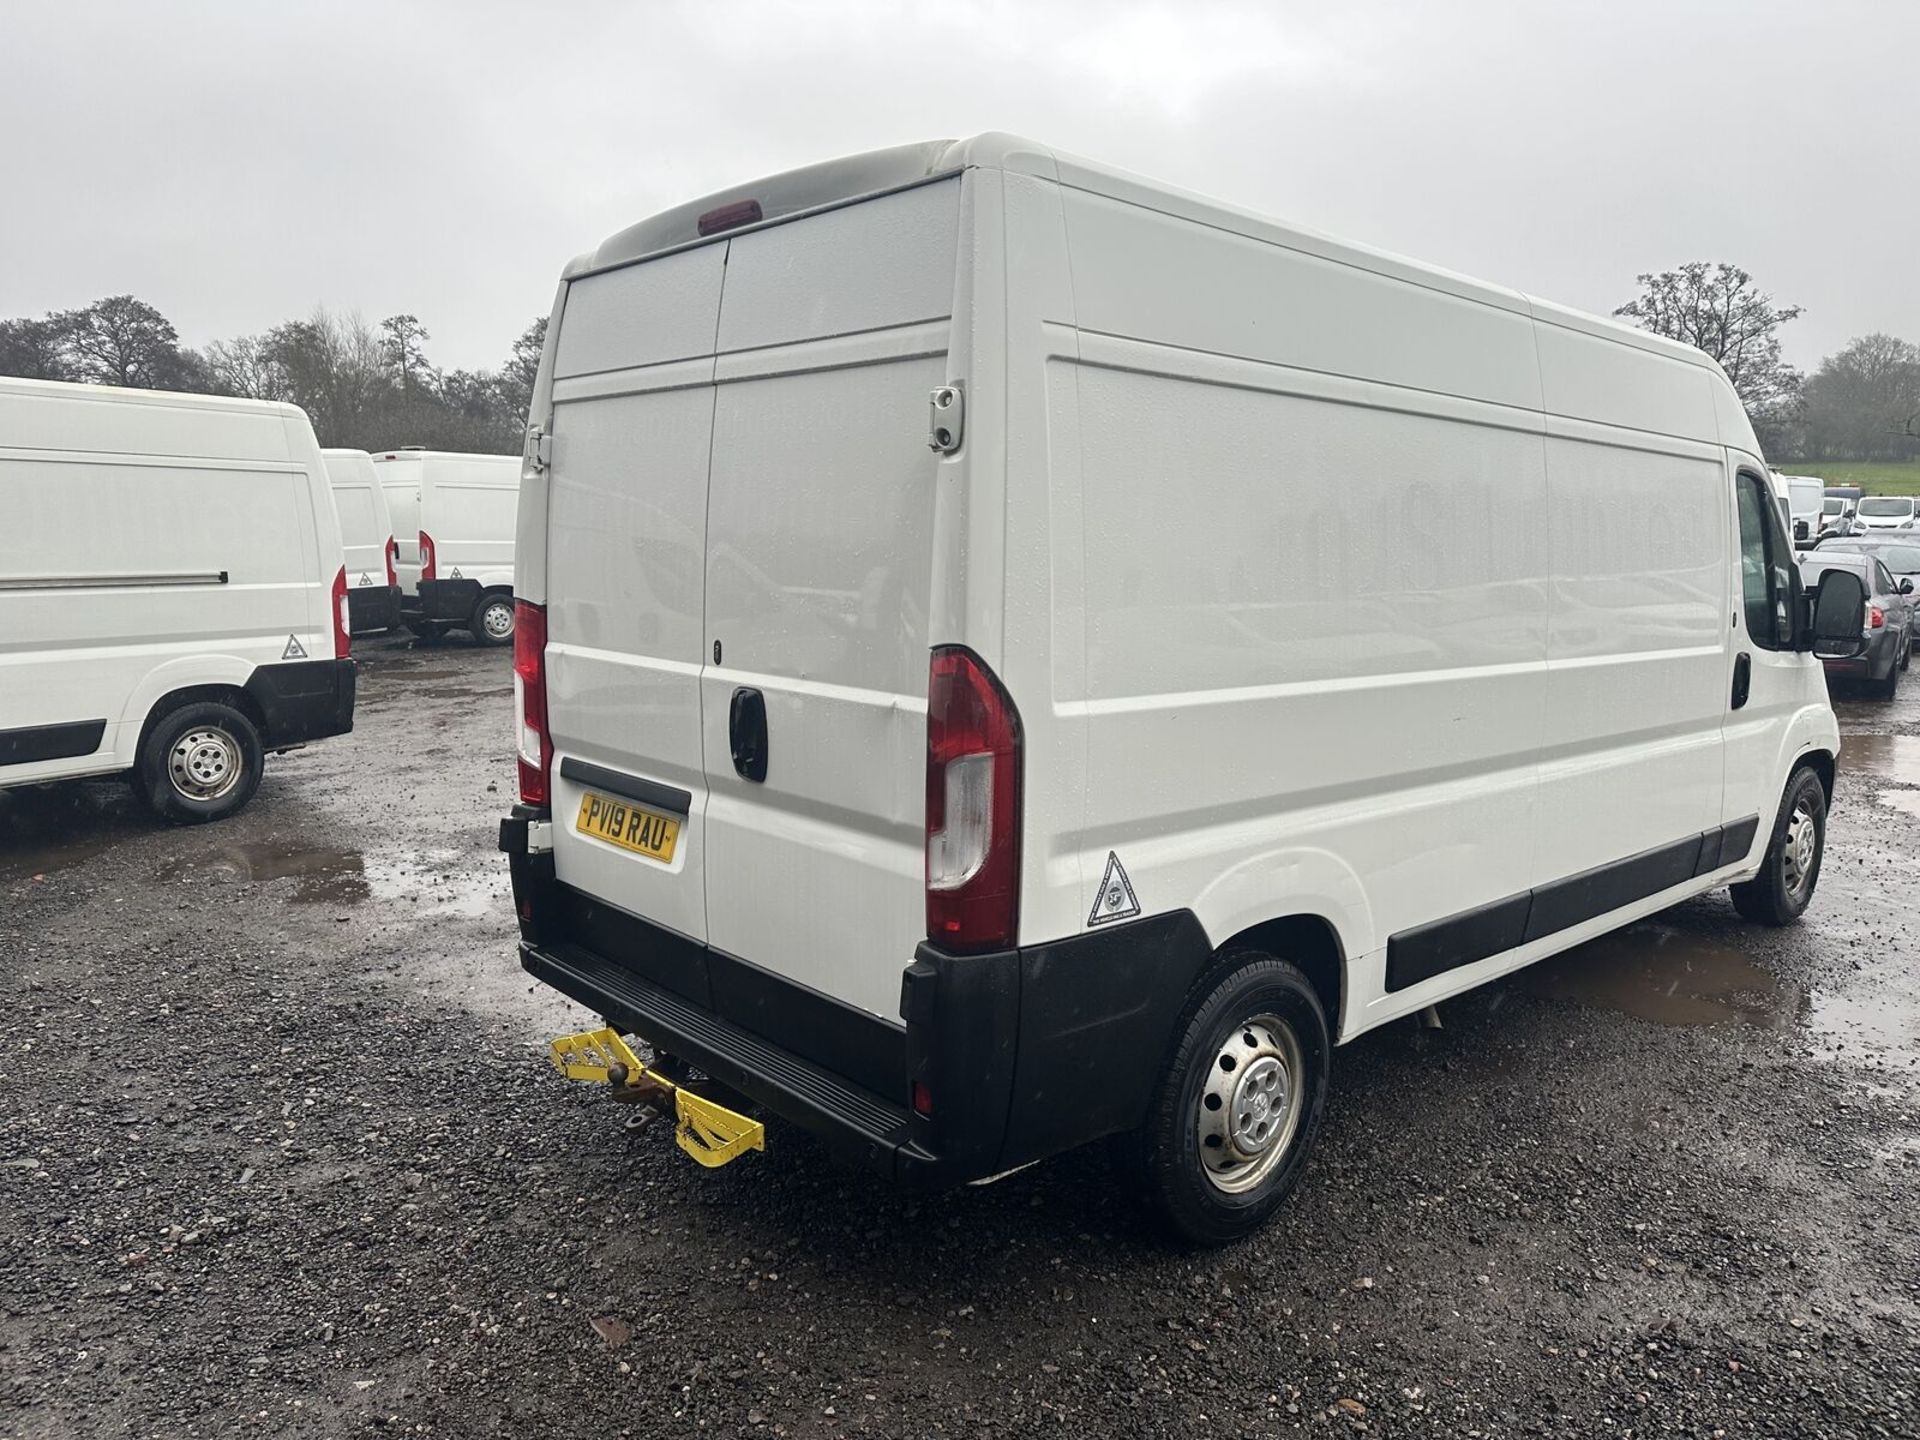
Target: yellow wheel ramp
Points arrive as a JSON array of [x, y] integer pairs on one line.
[[708, 1131]]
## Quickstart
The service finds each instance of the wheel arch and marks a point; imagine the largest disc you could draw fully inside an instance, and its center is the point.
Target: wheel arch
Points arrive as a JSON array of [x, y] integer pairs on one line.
[[1310, 942], [232, 695]]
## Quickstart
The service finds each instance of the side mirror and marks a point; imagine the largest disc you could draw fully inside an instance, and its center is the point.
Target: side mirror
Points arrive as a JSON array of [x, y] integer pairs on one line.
[[1839, 616], [1906, 586]]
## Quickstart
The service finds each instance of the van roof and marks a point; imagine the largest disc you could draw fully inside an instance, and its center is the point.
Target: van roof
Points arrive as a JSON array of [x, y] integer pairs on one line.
[[414, 452], [833, 183], [126, 395]]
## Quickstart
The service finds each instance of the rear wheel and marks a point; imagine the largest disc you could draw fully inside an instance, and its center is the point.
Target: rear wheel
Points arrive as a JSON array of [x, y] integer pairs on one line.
[[200, 762], [426, 629], [1889, 686], [1229, 1128], [492, 622], [1782, 890]]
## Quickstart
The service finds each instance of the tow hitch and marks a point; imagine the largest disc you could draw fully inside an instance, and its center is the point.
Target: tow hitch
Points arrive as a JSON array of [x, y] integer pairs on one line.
[[712, 1134]]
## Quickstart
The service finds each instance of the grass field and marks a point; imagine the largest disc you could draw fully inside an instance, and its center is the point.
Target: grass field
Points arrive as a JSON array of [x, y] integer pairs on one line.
[[1876, 477]]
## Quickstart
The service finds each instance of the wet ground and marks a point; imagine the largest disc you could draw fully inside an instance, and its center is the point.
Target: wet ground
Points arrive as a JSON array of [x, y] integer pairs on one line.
[[280, 1154]]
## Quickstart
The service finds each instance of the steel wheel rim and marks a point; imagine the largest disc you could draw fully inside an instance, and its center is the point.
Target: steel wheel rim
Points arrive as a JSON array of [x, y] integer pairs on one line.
[[1250, 1103], [1800, 850], [204, 764], [497, 619]]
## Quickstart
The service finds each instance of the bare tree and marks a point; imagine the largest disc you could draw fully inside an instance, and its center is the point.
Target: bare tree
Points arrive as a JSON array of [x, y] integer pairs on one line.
[[32, 349], [122, 341], [404, 346], [1717, 308], [248, 366], [1863, 403]]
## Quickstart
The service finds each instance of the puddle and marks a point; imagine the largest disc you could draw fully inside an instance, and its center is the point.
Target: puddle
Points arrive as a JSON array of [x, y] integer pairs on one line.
[[47, 828], [440, 882], [1668, 977], [1885, 757], [1906, 801]]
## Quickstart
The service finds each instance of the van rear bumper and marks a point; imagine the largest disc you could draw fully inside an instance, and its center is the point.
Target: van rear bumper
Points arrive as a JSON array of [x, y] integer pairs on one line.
[[303, 700], [447, 601], [1023, 1053], [372, 607]]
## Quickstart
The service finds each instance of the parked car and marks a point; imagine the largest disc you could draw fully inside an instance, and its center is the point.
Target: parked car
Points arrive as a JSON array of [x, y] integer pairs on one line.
[[936, 723], [453, 519], [1887, 625], [1886, 512], [366, 541], [171, 589], [1900, 553]]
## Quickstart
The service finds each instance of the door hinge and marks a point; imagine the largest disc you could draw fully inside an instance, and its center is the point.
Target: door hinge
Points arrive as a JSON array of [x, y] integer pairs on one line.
[[946, 418], [539, 451]]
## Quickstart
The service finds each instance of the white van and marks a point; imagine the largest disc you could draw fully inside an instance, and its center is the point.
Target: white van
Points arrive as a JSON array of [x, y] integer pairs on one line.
[[454, 518], [172, 592], [1805, 497], [366, 540], [1886, 512], [958, 704]]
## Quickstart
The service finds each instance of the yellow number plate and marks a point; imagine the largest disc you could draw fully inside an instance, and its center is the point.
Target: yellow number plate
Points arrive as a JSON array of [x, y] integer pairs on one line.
[[627, 825]]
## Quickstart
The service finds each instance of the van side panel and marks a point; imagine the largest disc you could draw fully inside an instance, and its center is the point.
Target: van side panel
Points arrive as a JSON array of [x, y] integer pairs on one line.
[[1638, 685], [1314, 580]]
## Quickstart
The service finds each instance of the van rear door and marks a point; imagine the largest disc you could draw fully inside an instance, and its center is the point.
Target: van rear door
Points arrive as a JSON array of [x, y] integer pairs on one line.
[[832, 332], [625, 545]]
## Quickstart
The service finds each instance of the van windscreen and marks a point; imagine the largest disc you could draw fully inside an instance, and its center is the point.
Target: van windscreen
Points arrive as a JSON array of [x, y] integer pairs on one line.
[[1886, 506]]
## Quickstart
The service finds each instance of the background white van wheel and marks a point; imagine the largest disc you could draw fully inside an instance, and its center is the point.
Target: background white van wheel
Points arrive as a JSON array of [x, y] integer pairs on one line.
[[1782, 890], [199, 762], [492, 622], [1229, 1128]]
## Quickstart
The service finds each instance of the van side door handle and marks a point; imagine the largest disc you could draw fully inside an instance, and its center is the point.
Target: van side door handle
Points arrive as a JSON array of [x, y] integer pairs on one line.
[[1742, 678], [747, 732]]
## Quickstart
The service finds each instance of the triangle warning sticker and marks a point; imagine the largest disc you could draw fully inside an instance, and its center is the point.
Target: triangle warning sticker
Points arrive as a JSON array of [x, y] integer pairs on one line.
[[295, 650], [1115, 900]]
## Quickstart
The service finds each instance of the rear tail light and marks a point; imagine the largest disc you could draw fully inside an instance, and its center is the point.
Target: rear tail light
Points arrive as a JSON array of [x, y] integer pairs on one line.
[[393, 558], [530, 702], [337, 604], [1876, 617], [427, 568], [973, 806]]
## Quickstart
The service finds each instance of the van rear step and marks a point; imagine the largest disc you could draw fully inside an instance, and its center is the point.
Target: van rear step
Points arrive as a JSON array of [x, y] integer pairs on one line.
[[709, 1132], [855, 1120]]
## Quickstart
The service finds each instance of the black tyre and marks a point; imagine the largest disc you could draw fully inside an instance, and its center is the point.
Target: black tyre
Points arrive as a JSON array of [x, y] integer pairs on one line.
[[1783, 889], [492, 619], [426, 629], [1906, 654], [200, 762], [1229, 1128]]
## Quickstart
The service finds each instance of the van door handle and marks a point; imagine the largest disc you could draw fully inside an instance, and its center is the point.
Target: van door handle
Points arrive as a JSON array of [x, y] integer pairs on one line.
[[1742, 678], [747, 732]]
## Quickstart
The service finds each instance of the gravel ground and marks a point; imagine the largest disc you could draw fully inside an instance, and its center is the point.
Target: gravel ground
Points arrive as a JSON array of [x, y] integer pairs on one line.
[[280, 1154]]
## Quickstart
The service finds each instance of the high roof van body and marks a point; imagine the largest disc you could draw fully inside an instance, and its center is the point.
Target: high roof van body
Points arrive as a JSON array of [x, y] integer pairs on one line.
[[366, 540], [172, 592], [454, 517], [960, 710]]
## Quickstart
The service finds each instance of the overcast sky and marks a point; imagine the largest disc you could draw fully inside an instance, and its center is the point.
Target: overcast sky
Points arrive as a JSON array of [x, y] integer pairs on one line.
[[238, 163]]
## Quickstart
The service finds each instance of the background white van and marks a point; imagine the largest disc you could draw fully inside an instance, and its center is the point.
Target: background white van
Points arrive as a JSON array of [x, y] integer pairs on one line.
[[172, 592], [454, 518], [958, 704], [366, 540]]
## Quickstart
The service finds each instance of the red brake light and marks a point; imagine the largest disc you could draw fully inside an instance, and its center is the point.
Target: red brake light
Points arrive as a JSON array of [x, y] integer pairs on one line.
[[428, 571], [922, 1100], [530, 702], [337, 604], [730, 217], [1876, 617], [393, 556], [973, 806]]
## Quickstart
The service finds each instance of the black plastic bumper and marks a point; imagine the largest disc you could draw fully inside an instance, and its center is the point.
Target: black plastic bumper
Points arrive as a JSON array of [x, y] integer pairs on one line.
[[1024, 1053], [372, 607], [449, 602], [303, 700]]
